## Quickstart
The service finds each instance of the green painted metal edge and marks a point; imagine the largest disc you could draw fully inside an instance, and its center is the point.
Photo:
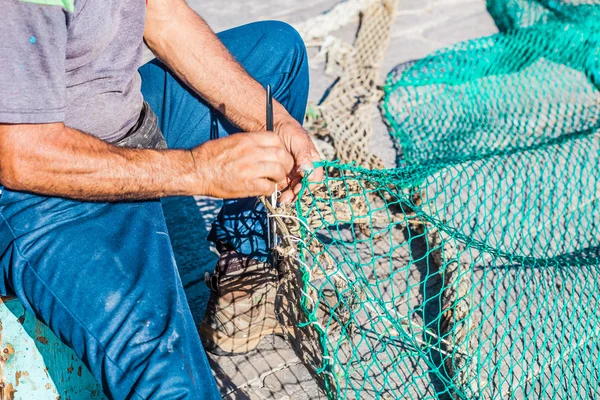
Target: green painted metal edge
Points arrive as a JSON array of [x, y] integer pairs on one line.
[[35, 364]]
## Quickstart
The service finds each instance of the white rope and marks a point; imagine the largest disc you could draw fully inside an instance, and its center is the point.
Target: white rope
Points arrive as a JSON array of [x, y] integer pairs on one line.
[[317, 28], [294, 239], [291, 216]]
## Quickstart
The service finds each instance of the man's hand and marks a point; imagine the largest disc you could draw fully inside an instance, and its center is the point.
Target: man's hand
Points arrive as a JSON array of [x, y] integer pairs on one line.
[[243, 165], [304, 152], [249, 164]]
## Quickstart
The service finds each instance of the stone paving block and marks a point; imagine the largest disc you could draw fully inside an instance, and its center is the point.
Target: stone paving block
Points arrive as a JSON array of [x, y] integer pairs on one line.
[[405, 48], [474, 21], [415, 4]]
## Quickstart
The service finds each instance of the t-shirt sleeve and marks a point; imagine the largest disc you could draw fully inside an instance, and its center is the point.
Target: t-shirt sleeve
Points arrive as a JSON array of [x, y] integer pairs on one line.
[[33, 41]]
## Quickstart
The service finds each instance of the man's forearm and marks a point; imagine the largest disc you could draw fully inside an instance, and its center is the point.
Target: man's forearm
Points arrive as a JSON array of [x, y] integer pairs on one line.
[[55, 160], [183, 41]]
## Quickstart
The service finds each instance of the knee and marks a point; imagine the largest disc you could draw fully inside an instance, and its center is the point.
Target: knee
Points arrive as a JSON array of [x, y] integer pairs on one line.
[[286, 36], [283, 41]]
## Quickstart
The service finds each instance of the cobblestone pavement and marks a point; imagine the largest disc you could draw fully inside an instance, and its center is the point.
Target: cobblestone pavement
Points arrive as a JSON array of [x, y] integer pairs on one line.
[[422, 26]]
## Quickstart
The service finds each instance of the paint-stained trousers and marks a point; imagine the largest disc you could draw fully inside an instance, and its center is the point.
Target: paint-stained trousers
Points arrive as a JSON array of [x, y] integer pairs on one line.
[[103, 275]]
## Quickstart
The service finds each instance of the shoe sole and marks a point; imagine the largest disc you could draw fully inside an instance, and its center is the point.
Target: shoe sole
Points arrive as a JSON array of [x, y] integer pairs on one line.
[[221, 345]]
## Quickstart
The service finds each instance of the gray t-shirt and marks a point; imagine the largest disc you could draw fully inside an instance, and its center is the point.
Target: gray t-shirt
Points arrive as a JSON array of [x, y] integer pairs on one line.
[[78, 67]]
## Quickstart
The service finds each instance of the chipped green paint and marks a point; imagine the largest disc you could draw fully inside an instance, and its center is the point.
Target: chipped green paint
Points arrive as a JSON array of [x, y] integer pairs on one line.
[[35, 364], [68, 5]]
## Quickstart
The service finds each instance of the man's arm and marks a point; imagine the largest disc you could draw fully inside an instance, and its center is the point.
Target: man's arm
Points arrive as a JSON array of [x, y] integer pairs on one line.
[[184, 42], [55, 160]]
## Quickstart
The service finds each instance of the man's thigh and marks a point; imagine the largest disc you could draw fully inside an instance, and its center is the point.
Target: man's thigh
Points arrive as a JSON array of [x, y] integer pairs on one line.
[[271, 52], [103, 277]]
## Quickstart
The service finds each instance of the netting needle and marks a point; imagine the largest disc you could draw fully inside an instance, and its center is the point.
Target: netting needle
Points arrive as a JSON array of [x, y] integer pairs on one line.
[[271, 229]]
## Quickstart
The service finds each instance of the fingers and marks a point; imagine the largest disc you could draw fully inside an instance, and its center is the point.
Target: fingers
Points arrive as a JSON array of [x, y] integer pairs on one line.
[[266, 139], [299, 146], [287, 197], [318, 174], [306, 155], [292, 192], [278, 155], [273, 149], [252, 164], [284, 184], [264, 187], [305, 161], [273, 171]]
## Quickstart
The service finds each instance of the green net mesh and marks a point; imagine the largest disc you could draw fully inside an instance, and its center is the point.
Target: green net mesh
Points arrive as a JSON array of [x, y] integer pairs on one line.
[[472, 269]]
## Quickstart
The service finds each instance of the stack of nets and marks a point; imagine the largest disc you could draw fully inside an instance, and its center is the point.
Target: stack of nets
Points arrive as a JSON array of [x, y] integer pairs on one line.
[[472, 270]]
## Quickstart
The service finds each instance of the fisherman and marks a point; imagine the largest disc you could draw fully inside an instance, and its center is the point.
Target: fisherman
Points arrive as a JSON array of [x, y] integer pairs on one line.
[[88, 145]]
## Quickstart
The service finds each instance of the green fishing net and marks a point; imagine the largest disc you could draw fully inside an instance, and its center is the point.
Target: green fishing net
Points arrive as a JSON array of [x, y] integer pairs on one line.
[[472, 270]]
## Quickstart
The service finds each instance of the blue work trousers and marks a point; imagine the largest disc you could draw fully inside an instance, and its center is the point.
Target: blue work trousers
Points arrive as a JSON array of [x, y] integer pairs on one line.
[[103, 277]]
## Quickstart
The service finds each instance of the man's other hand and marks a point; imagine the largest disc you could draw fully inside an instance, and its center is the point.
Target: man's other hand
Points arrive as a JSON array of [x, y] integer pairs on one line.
[[304, 152], [243, 165]]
